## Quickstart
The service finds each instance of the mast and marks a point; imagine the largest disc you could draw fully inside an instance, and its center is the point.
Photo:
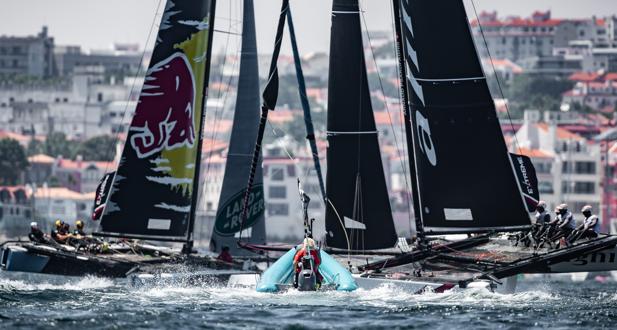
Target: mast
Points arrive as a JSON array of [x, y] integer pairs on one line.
[[188, 247], [413, 174], [238, 164], [310, 130]]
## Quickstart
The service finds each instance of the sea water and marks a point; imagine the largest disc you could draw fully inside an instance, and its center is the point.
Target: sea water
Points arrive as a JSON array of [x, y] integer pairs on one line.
[[95, 303]]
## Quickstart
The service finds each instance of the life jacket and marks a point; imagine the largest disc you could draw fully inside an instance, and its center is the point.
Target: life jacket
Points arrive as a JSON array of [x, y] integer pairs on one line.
[[593, 222], [542, 218], [567, 219], [302, 252]]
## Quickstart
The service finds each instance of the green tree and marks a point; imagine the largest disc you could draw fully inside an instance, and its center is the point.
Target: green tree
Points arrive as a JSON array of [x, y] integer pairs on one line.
[[35, 147], [12, 161], [97, 148], [56, 145]]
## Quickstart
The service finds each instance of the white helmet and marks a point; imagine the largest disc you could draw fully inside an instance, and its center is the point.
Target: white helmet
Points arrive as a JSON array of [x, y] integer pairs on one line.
[[34, 224], [586, 208]]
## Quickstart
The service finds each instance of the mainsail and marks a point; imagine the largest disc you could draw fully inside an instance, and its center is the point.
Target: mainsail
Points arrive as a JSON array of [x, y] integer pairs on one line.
[[466, 180], [244, 130], [358, 213], [154, 190]]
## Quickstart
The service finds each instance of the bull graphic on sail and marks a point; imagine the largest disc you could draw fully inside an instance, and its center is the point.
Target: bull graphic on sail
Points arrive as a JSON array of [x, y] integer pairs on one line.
[[164, 116]]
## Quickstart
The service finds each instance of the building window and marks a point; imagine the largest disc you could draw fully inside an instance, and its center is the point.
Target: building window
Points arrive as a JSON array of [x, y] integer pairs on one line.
[[545, 187], [277, 192], [291, 170], [585, 167], [99, 97], [277, 174], [278, 209], [578, 187]]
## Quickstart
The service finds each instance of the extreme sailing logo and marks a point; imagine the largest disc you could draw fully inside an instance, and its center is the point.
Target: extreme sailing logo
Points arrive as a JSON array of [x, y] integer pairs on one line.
[[523, 170], [229, 216]]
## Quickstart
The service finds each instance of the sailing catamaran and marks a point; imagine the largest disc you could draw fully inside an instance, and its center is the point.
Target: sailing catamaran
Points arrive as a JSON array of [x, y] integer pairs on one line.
[[153, 193], [463, 180]]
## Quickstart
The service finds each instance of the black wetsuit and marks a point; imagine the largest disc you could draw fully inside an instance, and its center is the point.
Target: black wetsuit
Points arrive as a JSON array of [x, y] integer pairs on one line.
[[79, 232], [36, 235]]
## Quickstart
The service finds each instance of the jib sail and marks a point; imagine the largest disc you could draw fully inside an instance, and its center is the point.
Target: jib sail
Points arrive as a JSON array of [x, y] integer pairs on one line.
[[153, 190], [466, 180], [358, 213], [244, 131]]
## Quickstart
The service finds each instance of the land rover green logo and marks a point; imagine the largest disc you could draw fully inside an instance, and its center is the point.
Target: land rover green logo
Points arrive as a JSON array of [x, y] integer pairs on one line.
[[229, 216]]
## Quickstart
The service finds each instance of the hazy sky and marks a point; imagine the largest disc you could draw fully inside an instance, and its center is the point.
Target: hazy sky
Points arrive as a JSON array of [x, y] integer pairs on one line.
[[97, 24]]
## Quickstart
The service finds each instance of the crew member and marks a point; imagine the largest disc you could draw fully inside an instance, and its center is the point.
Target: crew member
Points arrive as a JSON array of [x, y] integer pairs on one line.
[[543, 218], [549, 228], [60, 233], [79, 228], [36, 235], [565, 223], [225, 255], [590, 228], [308, 245]]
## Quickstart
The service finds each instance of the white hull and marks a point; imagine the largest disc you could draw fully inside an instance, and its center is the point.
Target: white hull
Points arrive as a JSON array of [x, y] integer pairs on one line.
[[604, 260]]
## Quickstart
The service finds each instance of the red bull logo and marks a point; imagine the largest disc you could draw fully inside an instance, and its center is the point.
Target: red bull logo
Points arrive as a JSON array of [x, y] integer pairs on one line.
[[164, 116]]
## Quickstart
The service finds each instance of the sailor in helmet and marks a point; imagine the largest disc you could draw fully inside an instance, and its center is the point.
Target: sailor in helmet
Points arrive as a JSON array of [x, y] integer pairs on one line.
[[79, 228], [565, 223], [59, 233], [550, 227], [543, 218], [590, 228], [308, 248], [36, 235]]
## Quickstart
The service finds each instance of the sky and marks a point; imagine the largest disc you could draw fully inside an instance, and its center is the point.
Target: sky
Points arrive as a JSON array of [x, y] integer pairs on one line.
[[95, 24]]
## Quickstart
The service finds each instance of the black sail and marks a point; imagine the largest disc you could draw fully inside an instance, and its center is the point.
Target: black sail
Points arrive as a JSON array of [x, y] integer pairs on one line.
[[154, 190], [466, 180], [238, 165], [358, 214]]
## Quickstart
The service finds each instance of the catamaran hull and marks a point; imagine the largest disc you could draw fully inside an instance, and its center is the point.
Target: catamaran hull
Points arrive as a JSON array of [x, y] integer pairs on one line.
[[603, 260], [48, 260]]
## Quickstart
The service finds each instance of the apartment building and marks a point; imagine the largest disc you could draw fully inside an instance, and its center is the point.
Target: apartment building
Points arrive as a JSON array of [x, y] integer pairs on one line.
[[568, 166]]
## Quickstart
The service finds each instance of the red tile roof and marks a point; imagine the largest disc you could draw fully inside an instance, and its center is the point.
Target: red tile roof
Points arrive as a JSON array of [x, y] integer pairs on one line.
[[534, 153], [584, 76], [562, 134]]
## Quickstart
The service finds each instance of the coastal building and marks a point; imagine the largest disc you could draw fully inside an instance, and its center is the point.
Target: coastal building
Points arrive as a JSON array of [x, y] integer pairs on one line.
[[516, 38], [27, 56], [568, 165]]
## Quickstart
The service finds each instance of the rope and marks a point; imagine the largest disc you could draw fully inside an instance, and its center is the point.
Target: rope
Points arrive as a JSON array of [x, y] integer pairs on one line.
[[137, 74], [488, 52], [396, 143]]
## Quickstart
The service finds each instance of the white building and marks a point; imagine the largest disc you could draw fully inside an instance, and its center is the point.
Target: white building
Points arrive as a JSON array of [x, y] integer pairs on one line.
[[568, 166]]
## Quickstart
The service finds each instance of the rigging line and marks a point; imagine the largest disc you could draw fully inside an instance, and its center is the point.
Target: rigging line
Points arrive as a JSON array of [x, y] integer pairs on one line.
[[218, 113], [344, 229], [396, 144], [490, 58], [137, 74]]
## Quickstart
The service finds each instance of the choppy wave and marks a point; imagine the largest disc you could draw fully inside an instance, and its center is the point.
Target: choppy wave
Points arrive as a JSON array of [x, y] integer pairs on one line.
[[67, 284], [94, 302]]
